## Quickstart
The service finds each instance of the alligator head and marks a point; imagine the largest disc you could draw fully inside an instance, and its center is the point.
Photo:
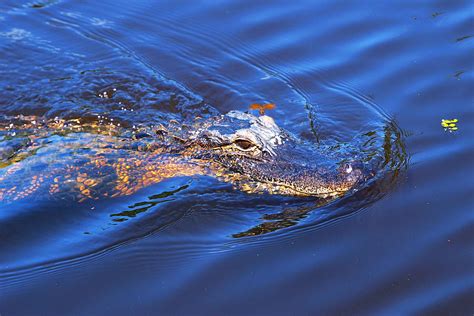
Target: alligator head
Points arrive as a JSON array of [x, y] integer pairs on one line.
[[257, 155]]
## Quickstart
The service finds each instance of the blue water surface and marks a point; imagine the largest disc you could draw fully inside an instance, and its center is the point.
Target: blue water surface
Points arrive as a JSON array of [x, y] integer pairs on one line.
[[348, 74]]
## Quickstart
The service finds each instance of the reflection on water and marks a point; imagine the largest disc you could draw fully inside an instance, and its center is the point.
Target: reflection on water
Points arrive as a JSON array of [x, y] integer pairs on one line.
[[284, 219], [141, 207]]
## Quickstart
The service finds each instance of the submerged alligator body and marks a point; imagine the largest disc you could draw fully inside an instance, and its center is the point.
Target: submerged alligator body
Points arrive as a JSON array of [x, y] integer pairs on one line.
[[78, 160]]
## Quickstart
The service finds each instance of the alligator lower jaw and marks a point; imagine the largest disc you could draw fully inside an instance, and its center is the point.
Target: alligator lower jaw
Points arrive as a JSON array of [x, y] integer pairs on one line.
[[251, 185], [272, 188], [320, 195]]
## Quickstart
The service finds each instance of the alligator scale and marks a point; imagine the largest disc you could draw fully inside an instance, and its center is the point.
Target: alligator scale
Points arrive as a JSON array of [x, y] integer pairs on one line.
[[78, 160]]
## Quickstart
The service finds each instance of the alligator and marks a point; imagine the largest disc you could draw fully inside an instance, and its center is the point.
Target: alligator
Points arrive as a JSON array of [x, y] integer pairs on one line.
[[79, 160]]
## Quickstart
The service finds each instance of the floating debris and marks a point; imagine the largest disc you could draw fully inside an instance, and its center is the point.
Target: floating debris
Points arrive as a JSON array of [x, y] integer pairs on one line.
[[458, 74], [41, 4], [463, 38], [449, 125]]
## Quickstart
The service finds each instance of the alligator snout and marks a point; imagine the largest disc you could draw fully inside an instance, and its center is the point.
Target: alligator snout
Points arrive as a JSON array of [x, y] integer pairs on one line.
[[355, 172]]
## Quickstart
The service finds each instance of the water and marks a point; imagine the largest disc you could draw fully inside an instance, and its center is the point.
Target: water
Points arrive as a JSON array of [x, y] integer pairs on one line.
[[340, 73]]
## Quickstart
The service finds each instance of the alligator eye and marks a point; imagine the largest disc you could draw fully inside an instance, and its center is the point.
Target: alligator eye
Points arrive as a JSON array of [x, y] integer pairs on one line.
[[348, 168], [243, 144]]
